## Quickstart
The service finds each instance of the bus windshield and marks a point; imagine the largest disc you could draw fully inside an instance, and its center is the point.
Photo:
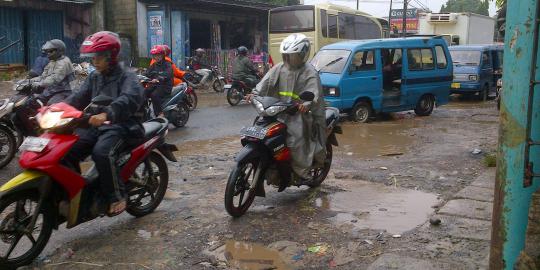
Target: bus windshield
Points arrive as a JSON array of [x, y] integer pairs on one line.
[[292, 21]]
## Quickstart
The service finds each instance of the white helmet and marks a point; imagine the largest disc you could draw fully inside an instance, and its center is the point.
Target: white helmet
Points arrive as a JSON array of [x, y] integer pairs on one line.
[[296, 43]]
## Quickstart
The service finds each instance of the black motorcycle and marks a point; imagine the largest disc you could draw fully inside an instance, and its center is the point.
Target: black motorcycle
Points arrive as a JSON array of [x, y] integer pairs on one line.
[[237, 90], [265, 154]]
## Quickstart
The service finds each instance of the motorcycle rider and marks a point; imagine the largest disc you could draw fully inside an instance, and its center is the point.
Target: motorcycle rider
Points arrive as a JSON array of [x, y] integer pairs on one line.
[[53, 83], [161, 74], [178, 73], [201, 67], [110, 128], [39, 65], [306, 134], [243, 69]]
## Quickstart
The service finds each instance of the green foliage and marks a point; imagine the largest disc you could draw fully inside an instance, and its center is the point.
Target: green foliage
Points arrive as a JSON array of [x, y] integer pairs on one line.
[[490, 160], [474, 6]]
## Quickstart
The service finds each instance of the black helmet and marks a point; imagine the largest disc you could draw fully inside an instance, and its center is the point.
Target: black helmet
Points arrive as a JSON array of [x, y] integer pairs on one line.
[[242, 50]]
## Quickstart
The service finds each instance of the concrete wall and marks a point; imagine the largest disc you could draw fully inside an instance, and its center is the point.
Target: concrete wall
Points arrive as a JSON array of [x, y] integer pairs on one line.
[[121, 17], [142, 33]]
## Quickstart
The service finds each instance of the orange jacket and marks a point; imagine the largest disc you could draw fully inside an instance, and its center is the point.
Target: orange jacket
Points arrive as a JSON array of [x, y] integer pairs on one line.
[[178, 74]]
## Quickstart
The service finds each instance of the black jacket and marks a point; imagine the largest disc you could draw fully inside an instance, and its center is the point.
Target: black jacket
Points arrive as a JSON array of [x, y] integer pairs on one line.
[[119, 84], [164, 73]]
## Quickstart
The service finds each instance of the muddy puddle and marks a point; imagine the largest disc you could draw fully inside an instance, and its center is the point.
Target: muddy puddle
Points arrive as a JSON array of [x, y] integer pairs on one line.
[[249, 256], [229, 144], [206, 100], [376, 139], [468, 104], [379, 207]]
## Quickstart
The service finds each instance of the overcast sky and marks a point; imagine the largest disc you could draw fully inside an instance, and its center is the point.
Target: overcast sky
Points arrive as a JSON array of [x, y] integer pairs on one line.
[[380, 8]]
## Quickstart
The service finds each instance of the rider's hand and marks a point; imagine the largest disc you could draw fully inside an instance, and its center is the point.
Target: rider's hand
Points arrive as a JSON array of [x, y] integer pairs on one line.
[[249, 97], [154, 81], [302, 108], [98, 119]]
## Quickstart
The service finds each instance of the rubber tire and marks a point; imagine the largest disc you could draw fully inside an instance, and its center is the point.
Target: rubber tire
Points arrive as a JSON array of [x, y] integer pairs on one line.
[[162, 188], [423, 111], [229, 96], [11, 143], [361, 105], [184, 107], [218, 86], [230, 188], [484, 94], [193, 99], [327, 165], [48, 225]]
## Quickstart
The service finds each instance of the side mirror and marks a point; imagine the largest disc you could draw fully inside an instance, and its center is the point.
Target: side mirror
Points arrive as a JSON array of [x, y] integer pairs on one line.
[[102, 100], [307, 96]]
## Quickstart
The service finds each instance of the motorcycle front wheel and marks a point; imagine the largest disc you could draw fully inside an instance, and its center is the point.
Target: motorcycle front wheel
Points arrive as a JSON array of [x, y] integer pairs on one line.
[[8, 145], [243, 178], [192, 100], [179, 116], [152, 179], [234, 96], [21, 243], [218, 85]]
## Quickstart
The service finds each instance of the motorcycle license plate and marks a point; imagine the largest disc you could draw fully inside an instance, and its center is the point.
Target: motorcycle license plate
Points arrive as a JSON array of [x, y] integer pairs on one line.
[[34, 144], [254, 132], [228, 86]]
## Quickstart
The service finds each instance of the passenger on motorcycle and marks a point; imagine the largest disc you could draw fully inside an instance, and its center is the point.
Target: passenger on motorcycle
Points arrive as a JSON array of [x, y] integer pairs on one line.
[[161, 74], [201, 67], [178, 73], [116, 122], [53, 83], [243, 69], [39, 65], [306, 136]]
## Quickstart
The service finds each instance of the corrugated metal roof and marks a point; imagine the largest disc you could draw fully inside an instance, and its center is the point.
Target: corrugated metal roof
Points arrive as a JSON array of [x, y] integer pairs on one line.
[[76, 1]]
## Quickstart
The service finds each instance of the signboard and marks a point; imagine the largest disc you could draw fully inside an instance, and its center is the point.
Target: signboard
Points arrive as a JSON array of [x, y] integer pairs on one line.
[[396, 20], [155, 28]]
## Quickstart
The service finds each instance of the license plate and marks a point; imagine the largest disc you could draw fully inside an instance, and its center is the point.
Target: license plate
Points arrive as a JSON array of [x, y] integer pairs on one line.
[[254, 132], [456, 85], [228, 86], [34, 144]]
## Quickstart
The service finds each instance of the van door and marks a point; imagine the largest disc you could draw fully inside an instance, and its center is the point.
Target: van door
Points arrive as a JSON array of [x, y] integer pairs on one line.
[[362, 80], [486, 71], [421, 75], [392, 67]]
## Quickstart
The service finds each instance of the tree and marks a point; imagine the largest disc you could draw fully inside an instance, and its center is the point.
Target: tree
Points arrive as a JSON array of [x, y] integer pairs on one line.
[[474, 6]]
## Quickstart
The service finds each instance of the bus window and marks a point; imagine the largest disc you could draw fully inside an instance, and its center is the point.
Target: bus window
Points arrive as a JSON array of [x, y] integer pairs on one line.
[[346, 26], [366, 28], [332, 26], [291, 21], [324, 23]]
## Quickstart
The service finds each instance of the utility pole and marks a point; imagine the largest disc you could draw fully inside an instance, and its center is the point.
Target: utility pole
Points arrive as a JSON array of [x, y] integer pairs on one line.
[[357, 4], [390, 28], [404, 23]]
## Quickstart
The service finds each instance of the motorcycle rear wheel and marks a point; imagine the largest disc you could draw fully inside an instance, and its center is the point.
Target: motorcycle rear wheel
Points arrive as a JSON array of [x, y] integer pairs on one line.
[[13, 228], [319, 175], [180, 115], [8, 145], [244, 177], [155, 174]]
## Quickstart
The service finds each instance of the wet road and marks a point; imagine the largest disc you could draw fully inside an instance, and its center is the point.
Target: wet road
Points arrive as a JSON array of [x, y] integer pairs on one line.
[[388, 178]]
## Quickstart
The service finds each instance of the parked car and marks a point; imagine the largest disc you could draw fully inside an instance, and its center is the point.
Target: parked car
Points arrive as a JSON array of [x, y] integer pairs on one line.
[[476, 69], [366, 77]]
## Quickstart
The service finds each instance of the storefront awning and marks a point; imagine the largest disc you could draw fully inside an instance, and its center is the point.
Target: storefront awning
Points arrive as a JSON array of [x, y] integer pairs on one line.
[[76, 1], [242, 4]]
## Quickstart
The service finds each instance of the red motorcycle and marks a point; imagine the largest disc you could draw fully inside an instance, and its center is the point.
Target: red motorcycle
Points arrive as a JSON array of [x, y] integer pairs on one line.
[[48, 193]]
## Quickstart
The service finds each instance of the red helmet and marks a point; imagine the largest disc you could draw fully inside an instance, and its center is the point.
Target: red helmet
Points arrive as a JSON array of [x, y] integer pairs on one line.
[[167, 49], [158, 49], [101, 43]]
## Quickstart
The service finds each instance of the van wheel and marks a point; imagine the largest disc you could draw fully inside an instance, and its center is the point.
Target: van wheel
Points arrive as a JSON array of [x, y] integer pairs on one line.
[[361, 112], [425, 105]]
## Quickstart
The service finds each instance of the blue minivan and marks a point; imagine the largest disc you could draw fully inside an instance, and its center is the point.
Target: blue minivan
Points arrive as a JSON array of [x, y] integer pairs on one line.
[[476, 69], [365, 77]]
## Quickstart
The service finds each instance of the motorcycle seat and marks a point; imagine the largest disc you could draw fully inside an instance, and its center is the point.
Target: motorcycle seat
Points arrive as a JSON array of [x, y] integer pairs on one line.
[[177, 89], [332, 115], [153, 127]]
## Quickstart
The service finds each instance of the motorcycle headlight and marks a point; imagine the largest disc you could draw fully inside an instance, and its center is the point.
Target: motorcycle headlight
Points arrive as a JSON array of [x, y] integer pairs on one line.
[[50, 119], [473, 77], [273, 110]]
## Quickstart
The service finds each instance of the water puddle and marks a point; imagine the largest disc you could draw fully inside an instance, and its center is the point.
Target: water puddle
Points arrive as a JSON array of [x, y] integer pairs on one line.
[[379, 207], [468, 104], [248, 256], [229, 144], [206, 100], [376, 139]]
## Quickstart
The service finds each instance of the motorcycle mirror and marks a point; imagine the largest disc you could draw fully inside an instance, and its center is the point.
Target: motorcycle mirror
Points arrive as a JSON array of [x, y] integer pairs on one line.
[[307, 96], [102, 100]]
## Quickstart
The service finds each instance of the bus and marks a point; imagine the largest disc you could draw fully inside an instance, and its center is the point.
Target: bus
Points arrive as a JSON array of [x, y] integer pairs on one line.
[[323, 24]]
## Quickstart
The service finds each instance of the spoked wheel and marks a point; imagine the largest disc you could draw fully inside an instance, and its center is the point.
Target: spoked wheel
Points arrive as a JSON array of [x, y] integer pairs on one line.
[[319, 175], [218, 86], [8, 145], [150, 185], [20, 242], [192, 100], [240, 190], [180, 115], [234, 96]]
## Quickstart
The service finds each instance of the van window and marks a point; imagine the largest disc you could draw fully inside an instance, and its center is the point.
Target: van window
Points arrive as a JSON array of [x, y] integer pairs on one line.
[[324, 23], [363, 60], [486, 62], [442, 62], [332, 26], [420, 59]]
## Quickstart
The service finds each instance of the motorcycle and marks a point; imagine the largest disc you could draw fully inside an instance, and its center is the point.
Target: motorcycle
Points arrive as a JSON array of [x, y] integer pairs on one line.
[[175, 108], [265, 153], [16, 120], [216, 79], [237, 90], [48, 193]]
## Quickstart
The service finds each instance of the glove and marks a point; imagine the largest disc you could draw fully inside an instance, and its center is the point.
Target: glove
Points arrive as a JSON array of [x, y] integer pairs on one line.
[[36, 88], [34, 103]]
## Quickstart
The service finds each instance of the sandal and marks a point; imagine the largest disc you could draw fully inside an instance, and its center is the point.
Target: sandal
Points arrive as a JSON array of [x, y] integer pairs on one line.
[[116, 208]]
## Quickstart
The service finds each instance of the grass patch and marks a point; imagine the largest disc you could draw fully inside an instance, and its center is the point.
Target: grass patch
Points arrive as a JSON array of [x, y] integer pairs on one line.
[[490, 160]]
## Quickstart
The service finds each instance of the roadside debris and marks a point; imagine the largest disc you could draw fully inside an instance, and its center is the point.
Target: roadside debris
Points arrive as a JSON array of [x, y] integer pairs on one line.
[[319, 249], [476, 151], [383, 168], [435, 221]]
